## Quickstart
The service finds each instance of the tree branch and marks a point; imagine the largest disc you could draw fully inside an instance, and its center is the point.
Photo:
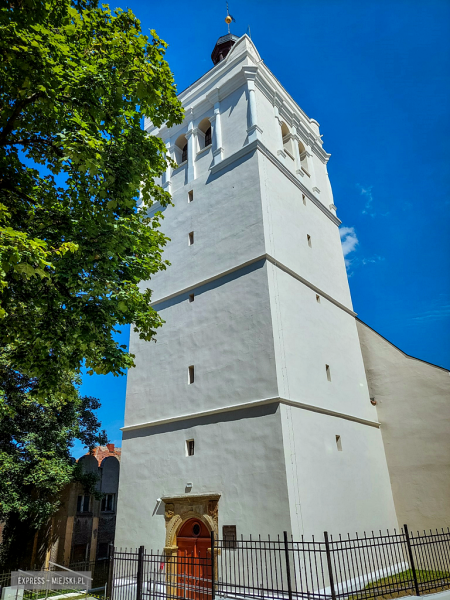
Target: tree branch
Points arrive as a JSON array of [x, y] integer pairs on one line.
[[26, 142], [20, 105], [35, 140]]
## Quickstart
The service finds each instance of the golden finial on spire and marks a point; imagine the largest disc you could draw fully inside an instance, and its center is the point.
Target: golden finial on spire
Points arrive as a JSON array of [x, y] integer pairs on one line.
[[229, 19]]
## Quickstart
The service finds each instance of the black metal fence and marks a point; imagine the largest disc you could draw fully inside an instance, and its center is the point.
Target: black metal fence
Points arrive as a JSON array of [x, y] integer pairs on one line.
[[355, 568], [99, 572]]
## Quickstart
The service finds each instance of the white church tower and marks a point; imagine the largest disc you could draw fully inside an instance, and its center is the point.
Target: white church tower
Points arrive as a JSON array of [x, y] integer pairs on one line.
[[251, 412]]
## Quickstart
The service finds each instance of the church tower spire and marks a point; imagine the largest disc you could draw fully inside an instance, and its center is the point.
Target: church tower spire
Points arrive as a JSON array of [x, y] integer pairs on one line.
[[223, 47], [225, 42]]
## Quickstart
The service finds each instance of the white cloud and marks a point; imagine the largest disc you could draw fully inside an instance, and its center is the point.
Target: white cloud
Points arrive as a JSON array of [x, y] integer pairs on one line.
[[349, 240], [372, 259], [366, 193], [441, 312]]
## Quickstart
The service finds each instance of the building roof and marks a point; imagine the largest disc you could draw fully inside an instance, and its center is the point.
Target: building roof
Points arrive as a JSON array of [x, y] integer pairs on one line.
[[223, 47], [102, 452], [400, 350]]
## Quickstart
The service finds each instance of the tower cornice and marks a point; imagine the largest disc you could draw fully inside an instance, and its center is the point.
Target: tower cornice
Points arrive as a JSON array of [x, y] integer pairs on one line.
[[224, 78]]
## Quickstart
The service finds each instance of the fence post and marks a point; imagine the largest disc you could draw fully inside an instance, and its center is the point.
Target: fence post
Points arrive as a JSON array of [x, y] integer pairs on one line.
[[213, 568], [109, 583], [329, 563], [140, 573], [288, 564], [411, 559]]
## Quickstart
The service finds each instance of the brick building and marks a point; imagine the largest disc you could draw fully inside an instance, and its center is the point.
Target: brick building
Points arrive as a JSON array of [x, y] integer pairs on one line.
[[84, 527]]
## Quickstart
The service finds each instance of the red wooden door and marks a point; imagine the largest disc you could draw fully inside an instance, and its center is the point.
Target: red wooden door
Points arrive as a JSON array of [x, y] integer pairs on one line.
[[194, 561]]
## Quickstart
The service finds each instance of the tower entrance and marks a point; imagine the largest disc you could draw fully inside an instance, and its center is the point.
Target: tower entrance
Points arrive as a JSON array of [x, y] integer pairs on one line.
[[194, 573]]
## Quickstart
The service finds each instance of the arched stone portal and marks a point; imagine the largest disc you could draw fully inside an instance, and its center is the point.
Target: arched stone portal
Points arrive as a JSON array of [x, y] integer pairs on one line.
[[194, 570], [179, 509], [182, 515]]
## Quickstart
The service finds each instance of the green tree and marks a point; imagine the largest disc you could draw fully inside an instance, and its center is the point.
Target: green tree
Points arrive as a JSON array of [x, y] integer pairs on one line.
[[35, 461], [77, 176]]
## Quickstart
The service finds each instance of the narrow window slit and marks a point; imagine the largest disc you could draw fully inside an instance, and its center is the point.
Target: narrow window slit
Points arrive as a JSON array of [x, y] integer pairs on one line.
[[190, 447]]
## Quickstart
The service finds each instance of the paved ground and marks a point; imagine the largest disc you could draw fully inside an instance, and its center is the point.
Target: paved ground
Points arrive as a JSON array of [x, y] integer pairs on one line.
[[439, 596]]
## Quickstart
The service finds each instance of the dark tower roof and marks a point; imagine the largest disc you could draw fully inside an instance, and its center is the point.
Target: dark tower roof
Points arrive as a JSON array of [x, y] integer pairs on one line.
[[223, 46]]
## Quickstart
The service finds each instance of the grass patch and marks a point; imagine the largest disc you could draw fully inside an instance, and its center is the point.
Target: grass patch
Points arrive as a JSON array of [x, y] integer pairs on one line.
[[38, 595], [390, 586]]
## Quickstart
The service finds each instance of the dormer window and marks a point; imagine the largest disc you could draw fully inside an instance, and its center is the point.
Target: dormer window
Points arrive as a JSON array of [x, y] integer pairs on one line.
[[184, 153]]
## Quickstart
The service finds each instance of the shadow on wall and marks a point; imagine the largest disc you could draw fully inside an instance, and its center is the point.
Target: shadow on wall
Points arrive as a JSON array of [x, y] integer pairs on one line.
[[232, 415]]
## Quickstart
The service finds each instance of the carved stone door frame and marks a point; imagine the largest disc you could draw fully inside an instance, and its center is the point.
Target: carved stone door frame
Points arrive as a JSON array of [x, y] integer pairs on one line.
[[178, 509]]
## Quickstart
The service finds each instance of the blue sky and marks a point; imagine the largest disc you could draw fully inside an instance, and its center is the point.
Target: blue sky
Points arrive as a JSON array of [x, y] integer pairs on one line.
[[376, 76]]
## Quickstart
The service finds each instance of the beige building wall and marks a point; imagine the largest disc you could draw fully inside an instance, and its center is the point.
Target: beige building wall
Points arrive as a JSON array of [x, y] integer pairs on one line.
[[413, 404]]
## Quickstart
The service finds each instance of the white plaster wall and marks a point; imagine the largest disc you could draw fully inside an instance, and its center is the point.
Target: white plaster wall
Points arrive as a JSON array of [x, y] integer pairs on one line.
[[226, 333], [309, 335], [287, 222], [319, 178], [179, 177], [233, 109], [238, 455], [344, 491], [203, 162], [227, 222], [271, 139], [413, 405], [267, 122]]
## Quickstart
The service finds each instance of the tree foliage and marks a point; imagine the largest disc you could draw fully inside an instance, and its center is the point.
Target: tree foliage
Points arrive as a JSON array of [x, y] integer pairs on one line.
[[77, 175]]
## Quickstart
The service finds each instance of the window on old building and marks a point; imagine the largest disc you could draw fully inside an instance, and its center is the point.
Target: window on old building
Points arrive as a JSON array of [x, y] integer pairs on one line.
[[108, 503], [103, 550], [80, 552], [83, 503]]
